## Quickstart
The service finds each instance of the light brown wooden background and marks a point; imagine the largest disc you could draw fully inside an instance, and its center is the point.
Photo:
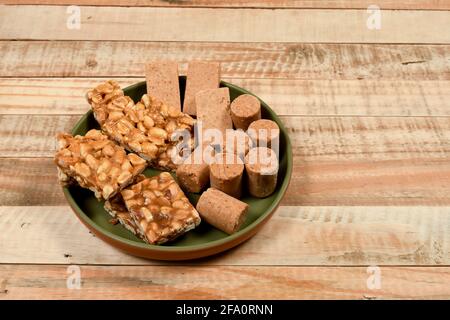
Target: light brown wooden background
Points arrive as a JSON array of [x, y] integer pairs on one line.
[[368, 112]]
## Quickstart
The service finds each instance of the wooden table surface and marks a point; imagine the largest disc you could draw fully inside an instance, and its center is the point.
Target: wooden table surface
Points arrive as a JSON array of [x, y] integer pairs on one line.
[[368, 113]]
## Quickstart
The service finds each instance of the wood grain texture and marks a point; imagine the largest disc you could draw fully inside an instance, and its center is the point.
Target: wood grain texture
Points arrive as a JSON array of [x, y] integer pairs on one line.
[[29, 181], [420, 181], [113, 282], [294, 236], [30, 135], [238, 25], [369, 138], [48, 96], [318, 4], [238, 60]]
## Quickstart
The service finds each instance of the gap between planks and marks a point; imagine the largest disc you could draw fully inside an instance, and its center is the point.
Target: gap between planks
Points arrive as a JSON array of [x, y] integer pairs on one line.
[[238, 25], [344, 236], [113, 282], [251, 4]]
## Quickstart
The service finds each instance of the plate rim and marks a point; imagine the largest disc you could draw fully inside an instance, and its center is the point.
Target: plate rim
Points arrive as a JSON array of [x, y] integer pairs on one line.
[[203, 246]]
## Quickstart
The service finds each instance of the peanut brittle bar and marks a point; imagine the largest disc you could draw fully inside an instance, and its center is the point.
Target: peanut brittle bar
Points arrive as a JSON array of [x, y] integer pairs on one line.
[[149, 128], [96, 163], [160, 209]]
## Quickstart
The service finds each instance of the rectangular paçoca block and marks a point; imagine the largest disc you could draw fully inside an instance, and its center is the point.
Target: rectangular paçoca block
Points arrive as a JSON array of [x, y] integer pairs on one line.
[[160, 209], [213, 112], [162, 82], [201, 75], [193, 173]]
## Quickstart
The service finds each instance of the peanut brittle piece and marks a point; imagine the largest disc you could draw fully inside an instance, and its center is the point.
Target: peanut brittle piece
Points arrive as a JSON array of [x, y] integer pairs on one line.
[[149, 128], [117, 209], [171, 125], [115, 206], [160, 208], [96, 163]]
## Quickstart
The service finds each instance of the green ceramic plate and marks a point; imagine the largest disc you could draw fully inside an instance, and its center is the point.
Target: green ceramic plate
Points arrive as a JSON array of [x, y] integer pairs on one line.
[[204, 240]]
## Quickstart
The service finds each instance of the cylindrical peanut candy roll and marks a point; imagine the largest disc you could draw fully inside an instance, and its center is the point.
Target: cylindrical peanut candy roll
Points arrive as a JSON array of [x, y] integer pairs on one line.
[[193, 173], [237, 142], [261, 165], [225, 174], [264, 133], [244, 110], [222, 211]]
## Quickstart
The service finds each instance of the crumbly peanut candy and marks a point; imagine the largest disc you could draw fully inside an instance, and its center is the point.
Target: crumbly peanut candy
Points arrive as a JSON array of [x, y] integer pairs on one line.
[[160, 208], [147, 127], [117, 209], [96, 163]]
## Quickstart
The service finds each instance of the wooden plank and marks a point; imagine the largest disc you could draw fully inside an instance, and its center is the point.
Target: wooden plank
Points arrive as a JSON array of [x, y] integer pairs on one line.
[[313, 138], [423, 181], [239, 25], [32, 135], [317, 4], [239, 60], [48, 96], [374, 138], [169, 282], [359, 236], [31, 182], [352, 97]]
